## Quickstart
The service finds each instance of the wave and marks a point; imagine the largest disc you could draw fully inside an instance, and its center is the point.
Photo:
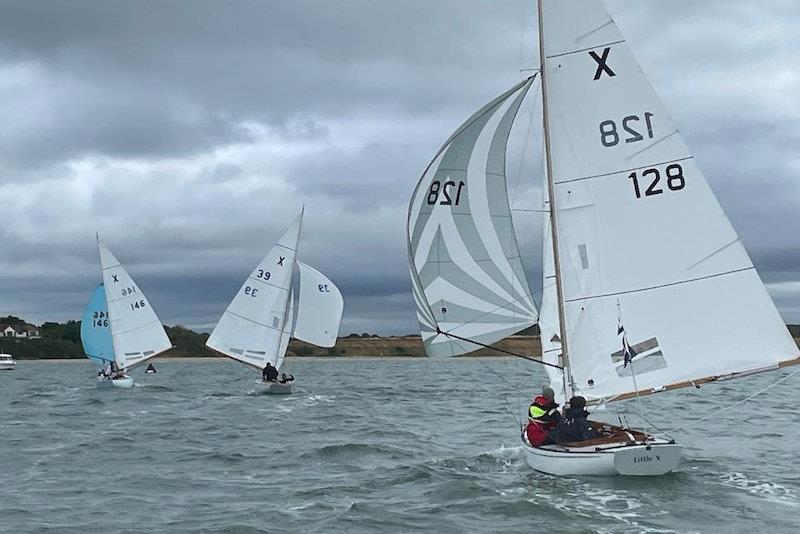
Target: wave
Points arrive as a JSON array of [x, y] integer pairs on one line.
[[770, 491]]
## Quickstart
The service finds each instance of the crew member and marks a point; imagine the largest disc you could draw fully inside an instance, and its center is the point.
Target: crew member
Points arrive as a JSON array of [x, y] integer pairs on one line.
[[543, 417], [269, 373], [574, 426]]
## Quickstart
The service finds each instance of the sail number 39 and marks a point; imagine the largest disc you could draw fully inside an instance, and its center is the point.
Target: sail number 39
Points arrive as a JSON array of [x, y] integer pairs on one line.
[[675, 181], [447, 200]]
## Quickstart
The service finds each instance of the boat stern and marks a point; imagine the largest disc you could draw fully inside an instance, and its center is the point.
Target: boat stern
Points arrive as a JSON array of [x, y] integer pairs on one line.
[[648, 460]]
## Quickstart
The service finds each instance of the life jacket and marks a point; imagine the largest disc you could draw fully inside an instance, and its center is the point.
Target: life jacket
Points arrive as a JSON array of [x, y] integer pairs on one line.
[[542, 409]]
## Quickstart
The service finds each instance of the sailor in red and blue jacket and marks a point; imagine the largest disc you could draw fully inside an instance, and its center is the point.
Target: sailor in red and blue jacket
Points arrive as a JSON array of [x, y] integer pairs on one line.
[[543, 416]]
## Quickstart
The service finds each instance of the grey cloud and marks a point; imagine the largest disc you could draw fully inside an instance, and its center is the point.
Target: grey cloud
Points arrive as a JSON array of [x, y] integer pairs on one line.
[[190, 133]]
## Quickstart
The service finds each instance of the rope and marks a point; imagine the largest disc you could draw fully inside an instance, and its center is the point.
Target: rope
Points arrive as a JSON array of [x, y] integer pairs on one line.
[[498, 349], [734, 405], [501, 377]]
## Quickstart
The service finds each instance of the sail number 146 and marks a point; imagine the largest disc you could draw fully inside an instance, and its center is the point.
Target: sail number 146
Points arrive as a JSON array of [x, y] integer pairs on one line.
[[675, 181]]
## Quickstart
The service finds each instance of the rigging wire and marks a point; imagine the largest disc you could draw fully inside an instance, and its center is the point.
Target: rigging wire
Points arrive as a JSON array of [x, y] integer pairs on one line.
[[502, 378], [510, 353], [735, 404]]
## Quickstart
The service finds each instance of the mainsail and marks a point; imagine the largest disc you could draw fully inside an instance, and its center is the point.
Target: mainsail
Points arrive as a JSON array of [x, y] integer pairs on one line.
[[250, 329], [95, 331], [319, 308], [136, 333], [466, 269], [640, 231]]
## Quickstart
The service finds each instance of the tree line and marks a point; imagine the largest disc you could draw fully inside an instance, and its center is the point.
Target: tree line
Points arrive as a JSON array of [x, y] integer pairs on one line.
[[63, 341]]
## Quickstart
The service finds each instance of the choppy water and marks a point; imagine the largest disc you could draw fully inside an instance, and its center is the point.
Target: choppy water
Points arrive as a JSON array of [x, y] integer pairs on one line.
[[365, 445]]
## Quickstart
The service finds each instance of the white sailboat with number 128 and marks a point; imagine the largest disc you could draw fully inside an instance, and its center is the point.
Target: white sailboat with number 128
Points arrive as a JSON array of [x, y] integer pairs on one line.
[[632, 231]]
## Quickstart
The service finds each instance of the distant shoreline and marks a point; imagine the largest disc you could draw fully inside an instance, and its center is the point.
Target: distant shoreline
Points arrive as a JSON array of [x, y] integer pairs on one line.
[[217, 359], [357, 347], [410, 347]]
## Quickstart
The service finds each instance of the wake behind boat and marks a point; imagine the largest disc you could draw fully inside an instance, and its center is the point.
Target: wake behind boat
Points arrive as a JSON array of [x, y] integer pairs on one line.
[[256, 327], [632, 228], [119, 328]]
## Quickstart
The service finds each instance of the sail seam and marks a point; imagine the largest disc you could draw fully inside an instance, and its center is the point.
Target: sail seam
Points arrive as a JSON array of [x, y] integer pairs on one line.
[[585, 49], [253, 321], [624, 170], [267, 283], [661, 286], [137, 328]]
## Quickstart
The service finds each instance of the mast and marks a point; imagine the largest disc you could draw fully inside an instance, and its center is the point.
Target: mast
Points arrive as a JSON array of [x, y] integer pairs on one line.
[[564, 357], [291, 284]]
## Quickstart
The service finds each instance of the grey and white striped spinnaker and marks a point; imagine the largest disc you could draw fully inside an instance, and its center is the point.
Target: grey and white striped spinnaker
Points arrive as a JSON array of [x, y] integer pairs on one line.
[[466, 271]]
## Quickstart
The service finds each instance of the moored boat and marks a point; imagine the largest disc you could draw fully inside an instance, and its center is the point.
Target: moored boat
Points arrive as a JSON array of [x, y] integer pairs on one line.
[[7, 362]]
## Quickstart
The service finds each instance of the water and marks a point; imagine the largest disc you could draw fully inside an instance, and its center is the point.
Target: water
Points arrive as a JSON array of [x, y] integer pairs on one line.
[[365, 445]]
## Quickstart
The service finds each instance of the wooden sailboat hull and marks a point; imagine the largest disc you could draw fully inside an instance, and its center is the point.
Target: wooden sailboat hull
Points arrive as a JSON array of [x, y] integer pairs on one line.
[[654, 458], [275, 388], [125, 382]]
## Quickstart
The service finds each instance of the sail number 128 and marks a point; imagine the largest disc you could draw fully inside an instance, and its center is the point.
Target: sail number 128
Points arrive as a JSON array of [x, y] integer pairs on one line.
[[651, 178], [446, 191]]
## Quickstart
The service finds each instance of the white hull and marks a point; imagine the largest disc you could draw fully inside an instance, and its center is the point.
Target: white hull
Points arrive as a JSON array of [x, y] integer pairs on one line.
[[125, 382], [275, 388], [7, 362], [656, 457]]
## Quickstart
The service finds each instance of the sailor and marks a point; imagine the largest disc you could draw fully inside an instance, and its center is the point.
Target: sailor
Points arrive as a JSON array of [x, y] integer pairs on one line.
[[543, 417], [284, 379], [574, 426], [269, 373]]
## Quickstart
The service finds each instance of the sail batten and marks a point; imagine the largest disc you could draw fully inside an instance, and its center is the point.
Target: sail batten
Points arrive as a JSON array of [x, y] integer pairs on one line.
[[466, 270]]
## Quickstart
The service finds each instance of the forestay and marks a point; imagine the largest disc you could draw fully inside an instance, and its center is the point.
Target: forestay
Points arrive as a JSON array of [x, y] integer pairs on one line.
[[136, 333], [466, 270], [319, 310], [250, 329], [639, 226], [95, 331]]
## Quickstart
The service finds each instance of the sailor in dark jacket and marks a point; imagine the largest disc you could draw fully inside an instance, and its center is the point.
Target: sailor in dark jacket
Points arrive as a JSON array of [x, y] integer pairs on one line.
[[269, 373], [574, 426]]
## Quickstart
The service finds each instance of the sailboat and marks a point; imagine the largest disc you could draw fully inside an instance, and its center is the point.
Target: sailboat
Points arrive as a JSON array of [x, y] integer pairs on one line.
[[257, 325], [119, 329], [647, 287]]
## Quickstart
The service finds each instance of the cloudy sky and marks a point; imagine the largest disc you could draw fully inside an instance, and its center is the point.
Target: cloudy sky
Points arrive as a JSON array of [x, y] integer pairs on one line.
[[190, 133]]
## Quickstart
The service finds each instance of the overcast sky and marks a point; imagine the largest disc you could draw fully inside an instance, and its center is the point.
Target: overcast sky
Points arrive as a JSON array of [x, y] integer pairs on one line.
[[190, 133]]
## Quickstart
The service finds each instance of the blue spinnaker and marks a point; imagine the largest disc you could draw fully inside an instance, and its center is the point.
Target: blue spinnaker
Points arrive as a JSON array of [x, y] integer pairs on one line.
[[95, 330]]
